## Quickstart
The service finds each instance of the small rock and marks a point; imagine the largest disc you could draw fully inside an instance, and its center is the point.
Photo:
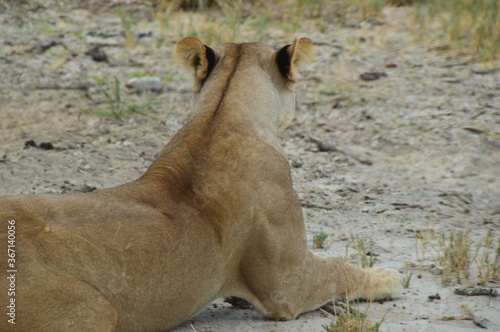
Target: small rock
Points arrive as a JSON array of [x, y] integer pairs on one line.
[[43, 146], [87, 189], [380, 208], [474, 130], [146, 83], [296, 163], [476, 291], [46, 146], [372, 75], [101, 41], [366, 209], [437, 270], [451, 80], [97, 54], [480, 322], [434, 297], [30, 144]]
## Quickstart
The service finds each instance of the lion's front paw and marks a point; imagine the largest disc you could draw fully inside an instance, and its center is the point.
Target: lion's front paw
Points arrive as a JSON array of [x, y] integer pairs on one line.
[[381, 284], [384, 284]]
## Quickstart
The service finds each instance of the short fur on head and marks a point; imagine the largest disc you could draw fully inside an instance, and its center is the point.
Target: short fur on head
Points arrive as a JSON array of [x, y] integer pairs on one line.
[[202, 58], [246, 61]]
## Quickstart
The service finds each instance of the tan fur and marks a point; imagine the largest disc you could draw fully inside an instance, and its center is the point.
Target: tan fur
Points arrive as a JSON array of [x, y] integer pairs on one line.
[[214, 216], [192, 53], [301, 52]]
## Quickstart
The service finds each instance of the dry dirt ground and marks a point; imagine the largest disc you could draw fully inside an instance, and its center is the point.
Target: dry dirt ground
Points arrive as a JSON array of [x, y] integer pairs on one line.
[[410, 156]]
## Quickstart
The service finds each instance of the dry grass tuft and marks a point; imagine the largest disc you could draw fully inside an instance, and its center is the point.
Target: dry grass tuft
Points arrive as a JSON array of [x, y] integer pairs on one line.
[[471, 25], [319, 239], [465, 24], [453, 253], [352, 322], [489, 260], [365, 251], [458, 257]]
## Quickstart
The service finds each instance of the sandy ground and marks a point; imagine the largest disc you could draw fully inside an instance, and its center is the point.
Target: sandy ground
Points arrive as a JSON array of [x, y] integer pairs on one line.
[[418, 150]]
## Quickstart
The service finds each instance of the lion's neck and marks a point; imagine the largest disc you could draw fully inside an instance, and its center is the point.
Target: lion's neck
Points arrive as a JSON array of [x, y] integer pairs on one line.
[[213, 138], [234, 114], [247, 102]]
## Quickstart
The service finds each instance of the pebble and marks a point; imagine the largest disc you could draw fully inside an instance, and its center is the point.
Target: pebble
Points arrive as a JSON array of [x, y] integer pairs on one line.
[[146, 83], [372, 75]]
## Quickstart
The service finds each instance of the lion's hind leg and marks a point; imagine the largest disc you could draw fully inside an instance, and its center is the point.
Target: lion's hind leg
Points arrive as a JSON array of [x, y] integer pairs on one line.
[[51, 302]]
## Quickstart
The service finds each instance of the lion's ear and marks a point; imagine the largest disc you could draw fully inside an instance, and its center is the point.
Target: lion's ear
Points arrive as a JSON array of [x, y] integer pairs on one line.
[[294, 55], [194, 54]]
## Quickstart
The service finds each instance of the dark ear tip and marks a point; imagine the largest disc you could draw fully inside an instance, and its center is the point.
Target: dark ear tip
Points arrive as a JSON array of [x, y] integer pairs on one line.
[[283, 60], [210, 54]]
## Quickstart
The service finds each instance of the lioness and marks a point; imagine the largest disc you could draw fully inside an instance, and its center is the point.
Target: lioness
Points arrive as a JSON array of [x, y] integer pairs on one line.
[[214, 216]]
